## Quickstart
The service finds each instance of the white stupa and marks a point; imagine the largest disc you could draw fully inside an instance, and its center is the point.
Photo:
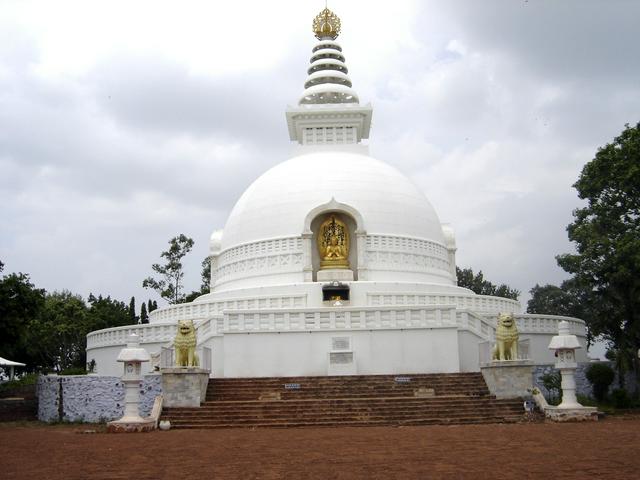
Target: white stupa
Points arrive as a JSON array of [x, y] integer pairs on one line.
[[333, 262]]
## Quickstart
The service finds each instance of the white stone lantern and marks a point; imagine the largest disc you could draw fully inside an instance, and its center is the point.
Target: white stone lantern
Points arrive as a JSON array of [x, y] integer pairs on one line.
[[565, 345], [132, 357]]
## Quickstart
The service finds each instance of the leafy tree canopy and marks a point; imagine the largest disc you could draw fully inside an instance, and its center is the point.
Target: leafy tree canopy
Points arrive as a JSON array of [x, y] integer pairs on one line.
[[170, 285], [478, 284], [144, 316], [205, 276], [606, 233], [47, 331], [569, 299], [106, 313], [20, 302], [57, 335]]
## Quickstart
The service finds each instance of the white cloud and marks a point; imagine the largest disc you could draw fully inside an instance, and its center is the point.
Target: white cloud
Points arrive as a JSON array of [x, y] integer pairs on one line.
[[125, 123]]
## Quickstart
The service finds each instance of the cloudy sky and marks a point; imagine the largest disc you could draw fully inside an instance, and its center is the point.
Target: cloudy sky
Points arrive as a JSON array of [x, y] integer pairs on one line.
[[124, 123]]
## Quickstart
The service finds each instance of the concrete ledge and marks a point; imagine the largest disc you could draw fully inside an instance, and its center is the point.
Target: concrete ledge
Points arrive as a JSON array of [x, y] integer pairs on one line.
[[184, 386], [335, 275], [131, 427], [578, 414], [508, 379]]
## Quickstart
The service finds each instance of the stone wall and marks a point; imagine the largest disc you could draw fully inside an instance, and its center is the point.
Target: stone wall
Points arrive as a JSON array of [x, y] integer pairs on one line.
[[511, 379], [184, 387], [583, 386], [90, 398]]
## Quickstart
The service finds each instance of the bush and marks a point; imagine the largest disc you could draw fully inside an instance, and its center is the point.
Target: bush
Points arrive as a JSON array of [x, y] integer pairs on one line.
[[620, 398], [586, 401], [553, 383], [601, 377], [28, 379]]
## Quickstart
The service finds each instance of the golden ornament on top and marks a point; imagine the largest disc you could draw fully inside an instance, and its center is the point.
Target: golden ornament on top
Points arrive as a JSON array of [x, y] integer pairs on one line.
[[326, 25], [333, 243]]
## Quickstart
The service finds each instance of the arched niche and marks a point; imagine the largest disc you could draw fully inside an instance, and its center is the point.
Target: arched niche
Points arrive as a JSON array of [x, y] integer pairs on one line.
[[353, 219]]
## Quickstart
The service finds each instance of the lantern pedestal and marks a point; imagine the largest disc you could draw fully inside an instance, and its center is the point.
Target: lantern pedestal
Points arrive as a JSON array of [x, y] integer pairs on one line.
[[565, 345], [578, 414], [132, 357]]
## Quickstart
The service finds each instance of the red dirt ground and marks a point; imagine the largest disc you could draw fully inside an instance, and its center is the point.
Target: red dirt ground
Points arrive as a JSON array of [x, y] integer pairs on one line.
[[608, 449]]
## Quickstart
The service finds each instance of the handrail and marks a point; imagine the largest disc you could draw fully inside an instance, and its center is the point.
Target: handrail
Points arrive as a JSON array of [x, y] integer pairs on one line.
[[335, 318]]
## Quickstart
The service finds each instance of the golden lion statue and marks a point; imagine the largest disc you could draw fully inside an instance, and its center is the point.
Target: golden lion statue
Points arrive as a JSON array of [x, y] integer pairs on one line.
[[185, 344], [506, 338]]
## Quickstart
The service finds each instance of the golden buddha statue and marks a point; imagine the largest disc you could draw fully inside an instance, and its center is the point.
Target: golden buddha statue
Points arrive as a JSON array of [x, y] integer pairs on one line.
[[333, 244]]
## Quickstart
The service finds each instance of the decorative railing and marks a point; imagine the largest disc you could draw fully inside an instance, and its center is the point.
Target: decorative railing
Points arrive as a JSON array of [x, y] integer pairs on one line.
[[485, 351], [167, 357], [478, 303], [148, 333], [481, 326], [207, 309], [337, 318], [535, 323]]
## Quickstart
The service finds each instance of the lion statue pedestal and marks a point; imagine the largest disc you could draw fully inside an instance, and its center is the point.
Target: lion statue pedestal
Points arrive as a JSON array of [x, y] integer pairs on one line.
[[185, 384], [506, 375]]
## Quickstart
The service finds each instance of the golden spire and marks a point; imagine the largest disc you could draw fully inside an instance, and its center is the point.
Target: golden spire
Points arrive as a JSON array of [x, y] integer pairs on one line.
[[326, 25]]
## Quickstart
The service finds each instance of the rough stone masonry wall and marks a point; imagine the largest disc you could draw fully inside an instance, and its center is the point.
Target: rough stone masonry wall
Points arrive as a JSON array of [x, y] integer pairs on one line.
[[583, 386], [90, 398]]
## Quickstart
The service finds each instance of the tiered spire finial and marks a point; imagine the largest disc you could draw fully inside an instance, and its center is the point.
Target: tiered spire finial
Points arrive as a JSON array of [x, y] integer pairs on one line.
[[329, 111], [326, 25], [327, 81]]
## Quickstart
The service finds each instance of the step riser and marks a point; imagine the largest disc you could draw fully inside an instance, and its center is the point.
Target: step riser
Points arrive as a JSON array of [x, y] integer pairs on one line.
[[354, 424], [342, 401]]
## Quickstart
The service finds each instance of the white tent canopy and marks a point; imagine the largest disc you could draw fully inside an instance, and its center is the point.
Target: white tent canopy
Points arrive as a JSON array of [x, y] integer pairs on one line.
[[10, 363]]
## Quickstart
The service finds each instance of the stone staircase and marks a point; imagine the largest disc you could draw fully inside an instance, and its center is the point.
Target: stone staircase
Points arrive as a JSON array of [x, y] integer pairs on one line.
[[421, 399]]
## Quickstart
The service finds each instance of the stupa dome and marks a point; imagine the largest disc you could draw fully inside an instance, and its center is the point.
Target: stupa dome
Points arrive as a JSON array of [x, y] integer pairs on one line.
[[334, 263], [277, 203]]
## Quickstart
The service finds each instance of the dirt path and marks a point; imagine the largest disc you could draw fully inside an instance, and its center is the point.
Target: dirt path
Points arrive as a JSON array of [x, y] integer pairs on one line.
[[607, 449]]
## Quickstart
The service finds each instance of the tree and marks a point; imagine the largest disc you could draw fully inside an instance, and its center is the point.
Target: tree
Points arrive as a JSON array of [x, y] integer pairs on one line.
[[477, 283], [57, 337], [169, 286], [144, 316], [607, 236], [570, 299], [567, 299], [106, 313], [152, 305], [601, 377], [47, 331], [205, 276], [20, 302], [132, 311]]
